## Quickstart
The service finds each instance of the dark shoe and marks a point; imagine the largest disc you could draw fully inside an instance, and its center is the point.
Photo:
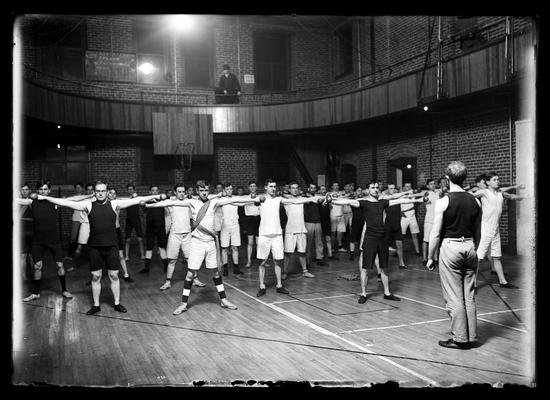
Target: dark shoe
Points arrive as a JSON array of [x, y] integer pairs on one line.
[[508, 286], [403, 267], [144, 271], [261, 292], [120, 308], [282, 290], [418, 254], [225, 270], [451, 344], [362, 299], [89, 283], [333, 257], [392, 297], [424, 262], [321, 263], [93, 310], [352, 257], [237, 271], [128, 279]]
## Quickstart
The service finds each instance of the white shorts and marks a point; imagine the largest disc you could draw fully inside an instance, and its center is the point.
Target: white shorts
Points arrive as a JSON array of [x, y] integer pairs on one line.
[[337, 224], [273, 244], [489, 244], [177, 241], [84, 233], [427, 230], [295, 241], [202, 251], [411, 222], [230, 236]]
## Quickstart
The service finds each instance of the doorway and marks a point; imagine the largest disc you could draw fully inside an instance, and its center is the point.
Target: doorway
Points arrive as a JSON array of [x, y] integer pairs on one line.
[[401, 170]]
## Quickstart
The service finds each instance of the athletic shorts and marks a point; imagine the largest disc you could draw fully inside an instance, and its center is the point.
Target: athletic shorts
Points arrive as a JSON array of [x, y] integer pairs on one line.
[[295, 241], [120, 240], [338, 224], [250, 224], [177, 241], [393, 234], [200, 251], [133, 224], [267, 244], [489, 244], [427, 230], [372, 247], [409, 222], [84, 233], [158, 232], [38, 250], [230, 236], [356, 230], [104, 256], [26, 243]]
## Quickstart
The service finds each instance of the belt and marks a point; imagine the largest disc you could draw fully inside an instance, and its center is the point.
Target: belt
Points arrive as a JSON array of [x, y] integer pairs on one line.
[[460, 239]]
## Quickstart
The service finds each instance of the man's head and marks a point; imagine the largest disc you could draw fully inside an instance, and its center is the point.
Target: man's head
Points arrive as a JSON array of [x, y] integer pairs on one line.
[[270, 187], [154, 189], [322, 190], [294, 188], [203, 189], [240, 191], [25, 190], [78, 187], [481, 181], [43, 188], [90, 188], [131, 189], [374, 189], [226, 69], [100, 191], [493, 180], [407, 186], [219, 187], [228, 188], [380, 185], [359, 191], [179, 190], [312, 188], [252, 186], [391, 189], [190, 191], [456, 172], [286, 188], [335, 186], [430, 184], [111, 193]]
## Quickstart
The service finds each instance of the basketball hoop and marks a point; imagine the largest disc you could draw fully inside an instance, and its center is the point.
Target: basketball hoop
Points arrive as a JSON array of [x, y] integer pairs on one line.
[[185, 152]]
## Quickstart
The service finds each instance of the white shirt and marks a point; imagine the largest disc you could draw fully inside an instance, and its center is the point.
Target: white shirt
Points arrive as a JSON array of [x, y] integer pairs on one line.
[[430, 205], [207, 221], [230, 216], [251, 209], [336, 210], [410, 207], [270, 223], [180, 218], [295, 223], [491, 206]]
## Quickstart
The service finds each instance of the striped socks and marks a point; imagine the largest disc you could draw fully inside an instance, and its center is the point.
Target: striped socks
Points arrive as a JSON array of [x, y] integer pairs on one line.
[[186, 291], [219, 286]]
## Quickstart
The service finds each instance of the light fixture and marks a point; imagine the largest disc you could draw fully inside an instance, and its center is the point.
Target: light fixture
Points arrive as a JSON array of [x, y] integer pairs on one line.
[[425, 108], [146, 68], [409, 166], [181, 22], [58, 145], [58, 126]]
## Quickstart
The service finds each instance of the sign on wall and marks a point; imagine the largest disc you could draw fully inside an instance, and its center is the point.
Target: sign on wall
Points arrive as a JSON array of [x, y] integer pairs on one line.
[[248, 78], [107, 66]]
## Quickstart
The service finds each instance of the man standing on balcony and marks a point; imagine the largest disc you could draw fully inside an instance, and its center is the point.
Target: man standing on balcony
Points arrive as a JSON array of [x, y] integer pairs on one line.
[[229, 87]]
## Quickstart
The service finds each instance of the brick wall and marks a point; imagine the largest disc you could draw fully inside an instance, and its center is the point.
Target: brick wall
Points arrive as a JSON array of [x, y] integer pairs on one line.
[[236, 163]]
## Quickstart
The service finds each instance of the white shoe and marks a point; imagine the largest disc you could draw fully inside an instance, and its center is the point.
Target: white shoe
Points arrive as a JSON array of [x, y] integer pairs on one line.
[[182, 308], [67, 294], [32, 297], [198, 283], [247, 265], [227, 304], [308, 274], [166, 285]]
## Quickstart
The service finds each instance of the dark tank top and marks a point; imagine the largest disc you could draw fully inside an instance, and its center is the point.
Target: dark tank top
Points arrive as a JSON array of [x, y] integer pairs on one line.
[[459, 219], [46, 229], [155, 216], [102, 225], [132, 213], [26, 220]]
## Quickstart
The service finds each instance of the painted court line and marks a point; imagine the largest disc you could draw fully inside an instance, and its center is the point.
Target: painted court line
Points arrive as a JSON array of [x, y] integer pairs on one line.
[[334, 335], [315, 298], [481, 319]]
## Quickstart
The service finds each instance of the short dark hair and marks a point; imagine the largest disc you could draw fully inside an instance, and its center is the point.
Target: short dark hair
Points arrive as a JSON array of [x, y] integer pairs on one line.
[[227, 184], [239, 187], [218, 183], [111, 188], [78, 184], [457, 172], [39, 184], [202, 183], [480, 177], [252, 182], [130, 184], [177, 185], [25, 184], [90, 184], [152, 186], [97, 183], [268, 181], [293, 183], [430, 180], [489, 175]]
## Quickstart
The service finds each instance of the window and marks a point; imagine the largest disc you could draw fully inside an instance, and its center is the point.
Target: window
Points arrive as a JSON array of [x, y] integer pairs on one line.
[[66, 165], [344, 43], [197, 55], [155, 169], [152, 45], [61, 44], [273, 163], [271, 61]]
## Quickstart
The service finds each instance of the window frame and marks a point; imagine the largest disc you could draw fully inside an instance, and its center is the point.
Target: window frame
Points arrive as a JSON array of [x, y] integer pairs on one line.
[[287, 44], [44, 163]]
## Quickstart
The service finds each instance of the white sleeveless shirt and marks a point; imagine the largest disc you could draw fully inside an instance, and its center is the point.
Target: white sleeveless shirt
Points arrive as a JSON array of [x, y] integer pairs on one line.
[[270, 223]]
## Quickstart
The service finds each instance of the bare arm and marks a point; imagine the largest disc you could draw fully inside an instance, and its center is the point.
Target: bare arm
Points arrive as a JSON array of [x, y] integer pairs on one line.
[[406, 201], [236, 200], [302, 200], [24, 202], [169, 203], [478, 194], [511, 196], [79, 197], [508, 188], [435, 235], [136, 200], [344, 202], [75, 205]]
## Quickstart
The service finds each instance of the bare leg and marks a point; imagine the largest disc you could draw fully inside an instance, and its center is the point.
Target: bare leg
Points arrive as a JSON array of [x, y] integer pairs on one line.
[[96, 286], [329, 246], [249, 249], [364, 279], [261, 273], [425, 251], [127, 248], [115, 285], [415, 242], [123, 263], [399, 248], [500, 271], [278, 274], [385, 282]]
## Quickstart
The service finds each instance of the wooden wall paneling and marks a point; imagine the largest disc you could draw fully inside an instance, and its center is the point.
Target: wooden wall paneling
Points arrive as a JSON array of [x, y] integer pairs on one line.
[[478, 70]]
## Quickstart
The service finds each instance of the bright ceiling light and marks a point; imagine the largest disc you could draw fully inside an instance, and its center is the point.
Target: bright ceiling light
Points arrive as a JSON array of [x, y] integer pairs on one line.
[[146, 68], [409, 166], [181, 22]]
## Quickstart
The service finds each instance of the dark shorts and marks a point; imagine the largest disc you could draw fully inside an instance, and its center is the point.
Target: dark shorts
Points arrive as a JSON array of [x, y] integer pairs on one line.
[[250, 224], [38, 250], [373, 246], [120, 239], [325, 227], [133, 224], [26, 243], [394, 234], [152, 232], [356, 230], [103, 256]]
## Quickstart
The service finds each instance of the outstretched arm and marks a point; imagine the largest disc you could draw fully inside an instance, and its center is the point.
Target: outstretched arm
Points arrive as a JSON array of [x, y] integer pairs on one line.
[[344, 202], [478, 194], [75, 205], [302, 200], [136, 200], [406, 201], [508, 188], [24, 202], [79, 197], [511, 196], [236, 200]]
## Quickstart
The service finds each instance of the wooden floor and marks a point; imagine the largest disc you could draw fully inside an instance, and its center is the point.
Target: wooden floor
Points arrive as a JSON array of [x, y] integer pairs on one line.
[[318, 333]]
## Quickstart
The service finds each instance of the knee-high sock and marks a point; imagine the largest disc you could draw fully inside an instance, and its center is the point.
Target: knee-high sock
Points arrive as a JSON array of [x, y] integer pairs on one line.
[[219, 286], [63, 283], [165, 264], [186, 290]]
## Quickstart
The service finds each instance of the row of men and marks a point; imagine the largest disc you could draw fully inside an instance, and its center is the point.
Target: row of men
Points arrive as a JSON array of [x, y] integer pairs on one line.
[[295, 237]]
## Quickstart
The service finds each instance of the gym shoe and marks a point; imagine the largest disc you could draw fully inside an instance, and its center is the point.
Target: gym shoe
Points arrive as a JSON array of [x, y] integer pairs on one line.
[[308, 274], [282, 290], [67, 294], [392, 297], [93, 310], [32, 297], [508, 285], [403, 267], [198, 283], [247, 265], [424, 262], [342, 250], [321, 263], [128, 279], [166, 285], [261, 292], [227, 304], [180, 309], [120, 308], [362, 299]]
